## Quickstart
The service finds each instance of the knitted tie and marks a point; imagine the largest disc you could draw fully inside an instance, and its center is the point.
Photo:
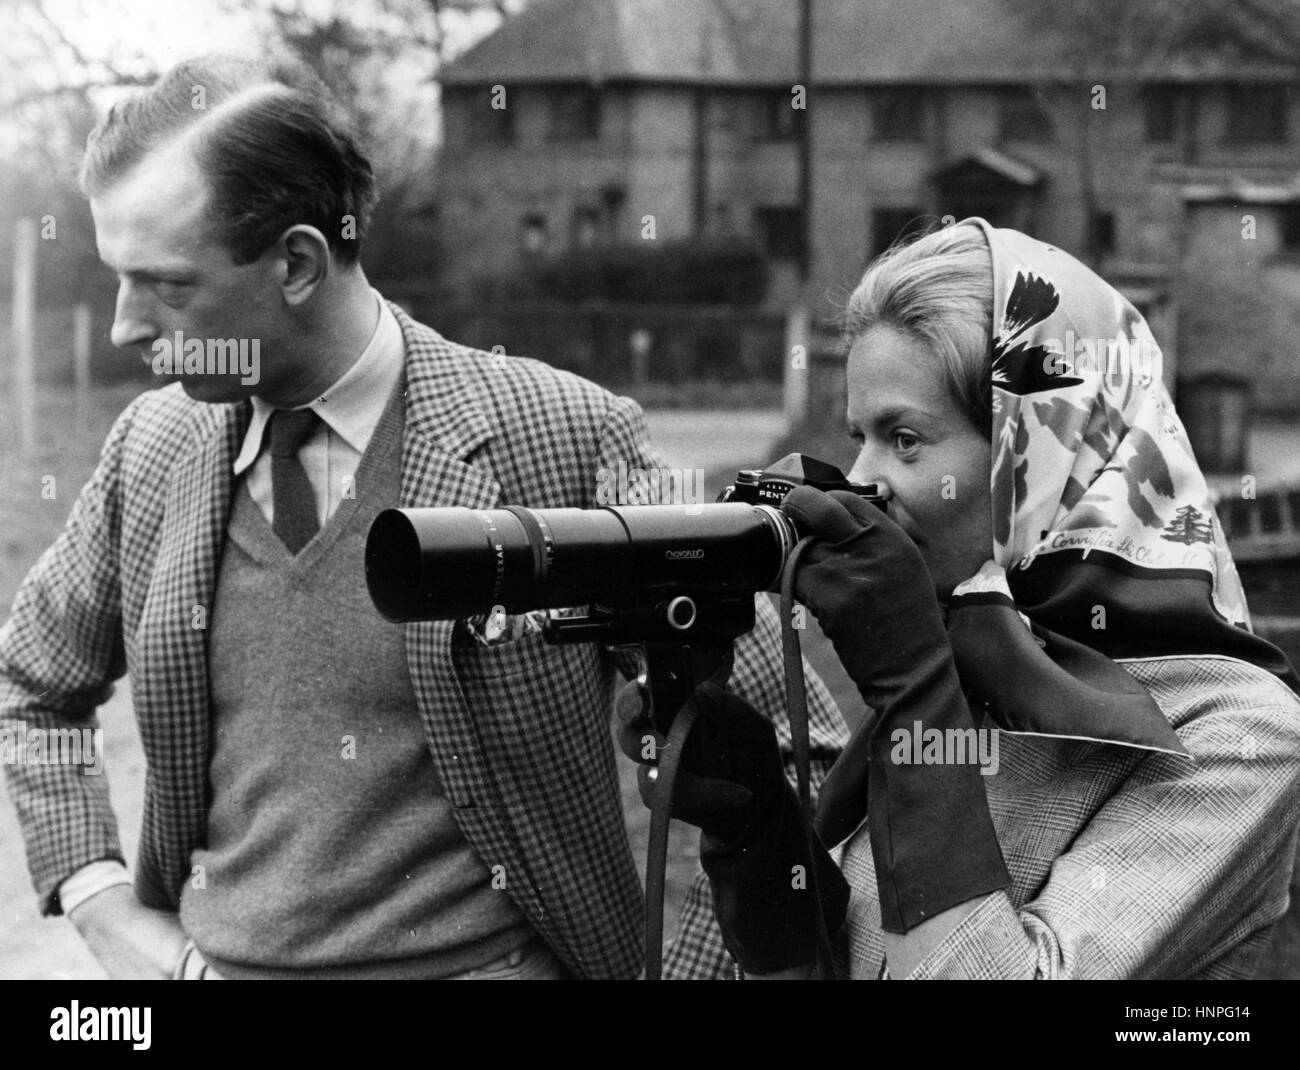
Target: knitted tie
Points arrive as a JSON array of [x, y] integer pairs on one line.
[[294, 505]]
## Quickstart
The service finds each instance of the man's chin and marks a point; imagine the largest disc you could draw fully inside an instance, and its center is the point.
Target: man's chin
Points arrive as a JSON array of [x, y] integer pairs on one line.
[[214, 391]]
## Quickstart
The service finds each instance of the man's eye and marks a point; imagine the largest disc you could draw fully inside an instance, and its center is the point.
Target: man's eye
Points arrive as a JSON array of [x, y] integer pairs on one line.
[[905, 440], [172, 291]]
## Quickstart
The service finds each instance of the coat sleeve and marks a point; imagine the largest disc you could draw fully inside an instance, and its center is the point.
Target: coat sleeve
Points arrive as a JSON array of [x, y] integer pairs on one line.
[[1184, 865], [758, 678], [60, 651]]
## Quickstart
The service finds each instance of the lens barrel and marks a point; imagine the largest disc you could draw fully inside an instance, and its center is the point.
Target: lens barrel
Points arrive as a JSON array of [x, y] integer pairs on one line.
[[449, 563]]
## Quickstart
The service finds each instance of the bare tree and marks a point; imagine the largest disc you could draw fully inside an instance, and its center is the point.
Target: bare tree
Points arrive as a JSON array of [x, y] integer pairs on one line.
[[382, 59]]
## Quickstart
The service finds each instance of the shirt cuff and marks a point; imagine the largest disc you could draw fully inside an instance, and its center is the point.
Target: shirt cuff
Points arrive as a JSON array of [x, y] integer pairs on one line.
[[90, 880]]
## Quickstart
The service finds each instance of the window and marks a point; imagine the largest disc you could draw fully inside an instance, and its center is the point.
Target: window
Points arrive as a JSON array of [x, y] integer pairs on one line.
[[1289, 235], [898, 115], [889, 225], [490, 117], [532, 233], [728, 112], [575, 114], [781, 230], [778, 118], [1160, 113], [1022, 118], [1257, 113], [1101, 233]]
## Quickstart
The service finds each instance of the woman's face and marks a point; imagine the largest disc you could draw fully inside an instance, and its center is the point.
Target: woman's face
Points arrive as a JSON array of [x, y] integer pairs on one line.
[[931, 463]]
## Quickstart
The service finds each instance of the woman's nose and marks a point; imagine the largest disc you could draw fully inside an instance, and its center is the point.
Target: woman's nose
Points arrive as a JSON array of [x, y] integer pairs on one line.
[[867, 469], [133, 324]]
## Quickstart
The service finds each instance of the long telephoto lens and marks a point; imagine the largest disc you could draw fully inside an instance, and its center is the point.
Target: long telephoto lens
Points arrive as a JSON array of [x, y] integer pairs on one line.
[[445, 564]]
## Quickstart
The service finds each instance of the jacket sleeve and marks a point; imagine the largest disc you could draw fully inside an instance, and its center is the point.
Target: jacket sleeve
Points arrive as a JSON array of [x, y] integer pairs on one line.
[[60, 651], [1183, 865], [757, 677]]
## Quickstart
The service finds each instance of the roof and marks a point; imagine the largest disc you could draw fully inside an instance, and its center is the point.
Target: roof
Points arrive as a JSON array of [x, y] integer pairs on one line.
[[989, 160], [755, 43]]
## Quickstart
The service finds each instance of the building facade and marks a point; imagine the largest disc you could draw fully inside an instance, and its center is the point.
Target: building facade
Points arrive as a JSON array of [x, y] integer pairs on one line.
[[586, 122]]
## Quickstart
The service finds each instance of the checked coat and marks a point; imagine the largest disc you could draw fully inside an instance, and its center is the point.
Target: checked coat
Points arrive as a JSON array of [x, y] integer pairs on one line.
[[519, 732]]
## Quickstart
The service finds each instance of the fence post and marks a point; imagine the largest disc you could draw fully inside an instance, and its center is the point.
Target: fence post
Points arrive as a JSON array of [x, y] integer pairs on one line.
[[81, 351], [24, 327], [640, 341], [796, 365]]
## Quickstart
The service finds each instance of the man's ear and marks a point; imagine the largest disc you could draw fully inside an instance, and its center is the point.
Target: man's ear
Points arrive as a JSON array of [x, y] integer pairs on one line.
[[304, 262]]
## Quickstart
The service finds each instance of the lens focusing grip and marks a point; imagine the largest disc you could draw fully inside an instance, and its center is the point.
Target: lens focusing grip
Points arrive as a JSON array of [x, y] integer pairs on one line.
[[786, 536]]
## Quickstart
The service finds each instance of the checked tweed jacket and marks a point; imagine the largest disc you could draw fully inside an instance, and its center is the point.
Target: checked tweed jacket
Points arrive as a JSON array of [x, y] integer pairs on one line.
[[519, 732]]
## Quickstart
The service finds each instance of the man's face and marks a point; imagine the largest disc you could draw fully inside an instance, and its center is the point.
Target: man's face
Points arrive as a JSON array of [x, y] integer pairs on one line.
[[153, 232]]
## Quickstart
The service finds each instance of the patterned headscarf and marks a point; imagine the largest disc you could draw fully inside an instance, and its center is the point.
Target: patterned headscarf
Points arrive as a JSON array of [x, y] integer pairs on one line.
[[1105, 539]]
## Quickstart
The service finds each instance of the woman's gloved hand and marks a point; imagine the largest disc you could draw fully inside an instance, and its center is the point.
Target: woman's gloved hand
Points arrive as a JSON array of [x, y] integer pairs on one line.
[[931, 834], [731, 784]]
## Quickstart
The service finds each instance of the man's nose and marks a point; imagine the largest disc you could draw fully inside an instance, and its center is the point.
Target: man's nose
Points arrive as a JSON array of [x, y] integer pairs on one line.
[[133, 320]]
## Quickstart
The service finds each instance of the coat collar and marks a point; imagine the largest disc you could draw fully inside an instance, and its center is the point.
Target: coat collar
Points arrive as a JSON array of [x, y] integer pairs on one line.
[[441, 404]]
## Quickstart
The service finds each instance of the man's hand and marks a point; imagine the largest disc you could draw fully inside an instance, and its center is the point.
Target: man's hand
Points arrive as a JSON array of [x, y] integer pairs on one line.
[[130, 940]]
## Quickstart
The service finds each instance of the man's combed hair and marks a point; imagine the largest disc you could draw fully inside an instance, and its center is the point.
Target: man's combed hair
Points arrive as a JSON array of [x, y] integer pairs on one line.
[[276, 149]]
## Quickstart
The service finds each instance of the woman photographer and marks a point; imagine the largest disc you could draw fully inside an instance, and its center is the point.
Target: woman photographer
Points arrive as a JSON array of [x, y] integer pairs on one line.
[[1050, 570]]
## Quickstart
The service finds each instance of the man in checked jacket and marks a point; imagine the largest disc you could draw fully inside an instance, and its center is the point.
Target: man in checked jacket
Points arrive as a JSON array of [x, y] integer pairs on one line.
[[327, 794]]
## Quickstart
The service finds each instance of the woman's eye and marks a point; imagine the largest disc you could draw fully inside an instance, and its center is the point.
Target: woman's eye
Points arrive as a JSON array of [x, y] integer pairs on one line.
[[906, 441]]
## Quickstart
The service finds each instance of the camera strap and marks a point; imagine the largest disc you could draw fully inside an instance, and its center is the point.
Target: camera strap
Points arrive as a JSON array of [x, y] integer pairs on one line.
[[657, 851], [796, 704], [796, 694]]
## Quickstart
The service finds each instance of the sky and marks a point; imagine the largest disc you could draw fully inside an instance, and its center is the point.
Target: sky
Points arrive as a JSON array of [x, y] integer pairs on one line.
[[163, 32], [170, 30], [142, 36]]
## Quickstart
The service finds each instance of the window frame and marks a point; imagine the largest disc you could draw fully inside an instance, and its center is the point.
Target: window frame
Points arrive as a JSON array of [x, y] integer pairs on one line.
[[1242, 99], [894, 131], [566, 103], [1017, 101]]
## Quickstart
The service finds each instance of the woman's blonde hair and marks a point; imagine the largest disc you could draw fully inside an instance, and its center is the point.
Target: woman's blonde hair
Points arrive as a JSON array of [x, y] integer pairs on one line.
[[938, 289]]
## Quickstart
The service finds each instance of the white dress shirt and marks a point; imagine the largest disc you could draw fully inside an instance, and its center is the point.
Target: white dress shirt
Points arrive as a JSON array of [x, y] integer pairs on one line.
[[350, 411]]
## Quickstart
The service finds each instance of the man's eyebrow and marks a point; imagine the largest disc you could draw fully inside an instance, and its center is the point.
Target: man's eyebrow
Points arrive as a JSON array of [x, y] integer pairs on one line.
[[153, 271]]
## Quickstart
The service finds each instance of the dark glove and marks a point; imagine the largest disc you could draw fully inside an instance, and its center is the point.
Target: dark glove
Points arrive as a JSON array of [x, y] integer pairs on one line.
[[931, 833], [732, 785]]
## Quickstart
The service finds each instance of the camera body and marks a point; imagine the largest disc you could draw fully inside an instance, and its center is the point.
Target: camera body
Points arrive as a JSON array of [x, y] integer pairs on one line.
[[770, 485]]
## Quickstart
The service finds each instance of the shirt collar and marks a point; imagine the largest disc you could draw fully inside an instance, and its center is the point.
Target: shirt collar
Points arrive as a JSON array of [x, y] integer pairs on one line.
[[352, 407]]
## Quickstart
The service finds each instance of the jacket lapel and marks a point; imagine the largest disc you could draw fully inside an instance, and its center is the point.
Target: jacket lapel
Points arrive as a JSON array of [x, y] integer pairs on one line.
[[173, 674], [444, 426]]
